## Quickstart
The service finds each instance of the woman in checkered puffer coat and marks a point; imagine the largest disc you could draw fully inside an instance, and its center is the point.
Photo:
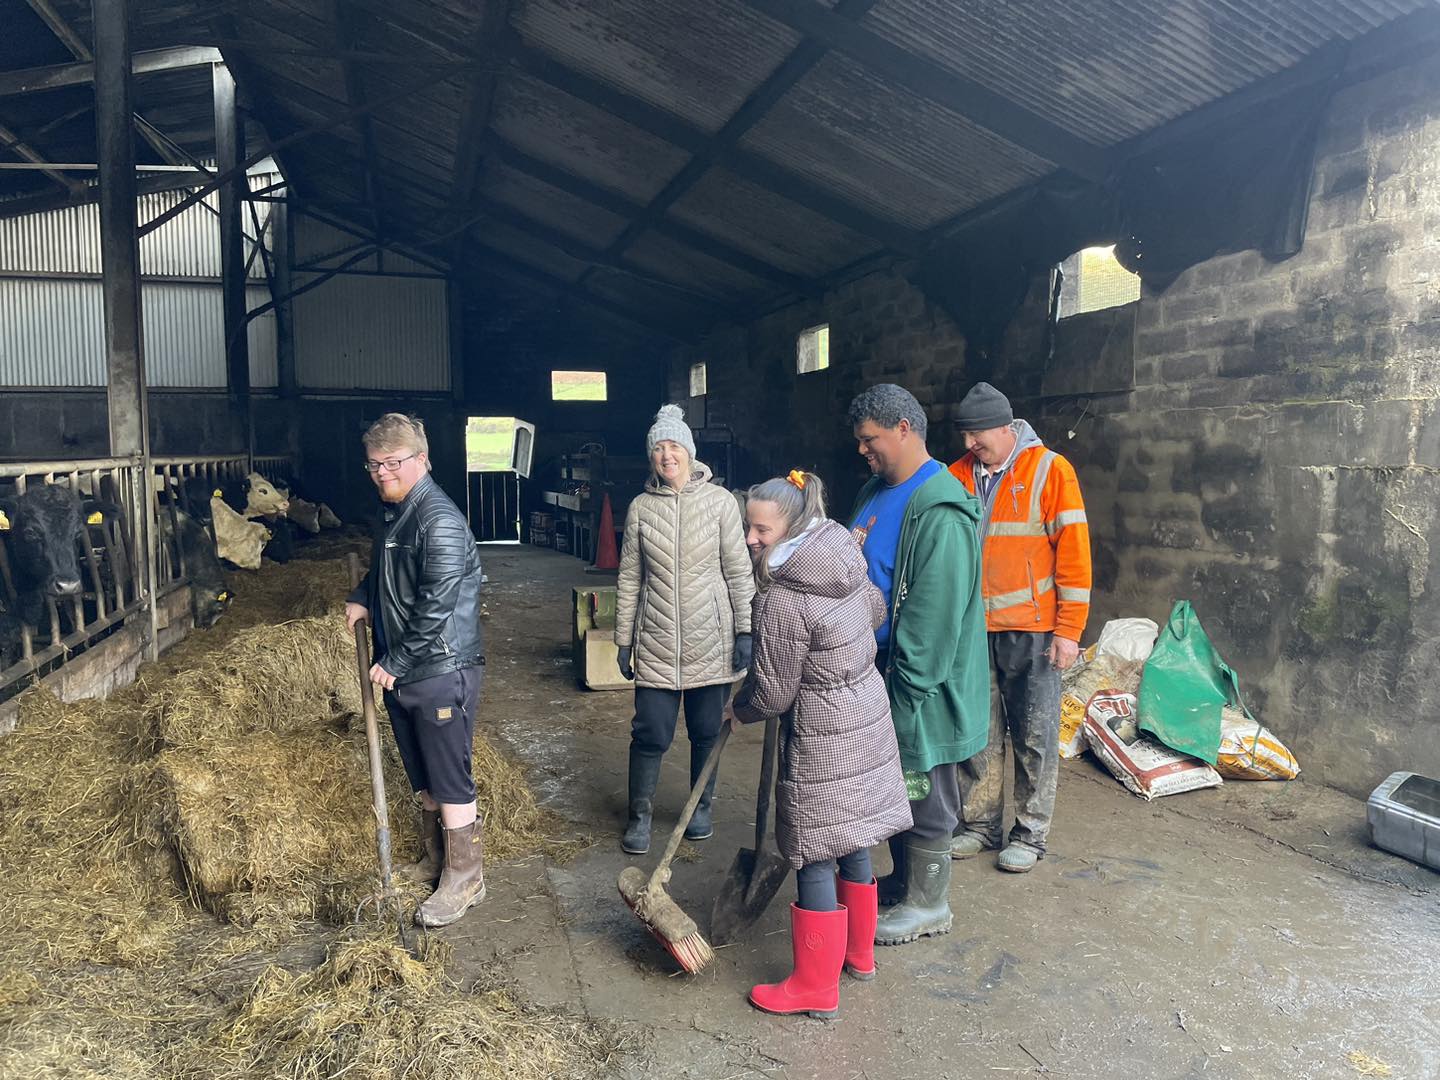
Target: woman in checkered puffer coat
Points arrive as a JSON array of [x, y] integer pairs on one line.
[[841, 789]]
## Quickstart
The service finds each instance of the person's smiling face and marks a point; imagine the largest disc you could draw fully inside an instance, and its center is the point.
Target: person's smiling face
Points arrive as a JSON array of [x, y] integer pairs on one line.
[[394, 483]]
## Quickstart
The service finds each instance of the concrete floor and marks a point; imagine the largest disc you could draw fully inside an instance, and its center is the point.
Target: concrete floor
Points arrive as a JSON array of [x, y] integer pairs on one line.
[[1244, 932]]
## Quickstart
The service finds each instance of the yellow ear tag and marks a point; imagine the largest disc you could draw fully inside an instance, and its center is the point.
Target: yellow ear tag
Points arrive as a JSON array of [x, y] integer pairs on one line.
[[97, 518], [217, 494], [4, 522], [222, 597]]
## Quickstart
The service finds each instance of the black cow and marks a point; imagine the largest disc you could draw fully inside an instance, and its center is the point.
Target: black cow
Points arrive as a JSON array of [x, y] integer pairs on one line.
[[11, 647], [47, 524], [210, 593]]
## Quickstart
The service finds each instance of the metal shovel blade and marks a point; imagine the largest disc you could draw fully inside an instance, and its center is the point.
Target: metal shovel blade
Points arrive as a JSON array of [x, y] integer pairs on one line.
[[757, 873]]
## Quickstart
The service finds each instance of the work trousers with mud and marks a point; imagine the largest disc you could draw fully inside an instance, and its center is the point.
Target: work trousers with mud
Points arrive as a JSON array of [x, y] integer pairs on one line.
[[936, 813], [1025, 704]]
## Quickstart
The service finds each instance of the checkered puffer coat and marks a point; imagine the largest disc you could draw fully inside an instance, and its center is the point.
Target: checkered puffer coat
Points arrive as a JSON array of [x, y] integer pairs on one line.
[[840, 786], [685, 584]]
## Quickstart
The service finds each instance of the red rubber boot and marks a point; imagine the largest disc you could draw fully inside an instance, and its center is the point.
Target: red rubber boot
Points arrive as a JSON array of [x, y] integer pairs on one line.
[[817, 940], [863, 904]]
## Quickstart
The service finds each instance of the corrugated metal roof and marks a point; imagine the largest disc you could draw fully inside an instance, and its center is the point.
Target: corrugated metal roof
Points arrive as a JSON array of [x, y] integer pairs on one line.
[[698, 59], [548, 205], [772, 228], [681, 263], [565, 131], [886, 149], [1110, 69]]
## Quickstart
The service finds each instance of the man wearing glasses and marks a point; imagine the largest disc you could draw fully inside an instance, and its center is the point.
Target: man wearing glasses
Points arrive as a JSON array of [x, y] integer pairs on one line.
[[422, 599]]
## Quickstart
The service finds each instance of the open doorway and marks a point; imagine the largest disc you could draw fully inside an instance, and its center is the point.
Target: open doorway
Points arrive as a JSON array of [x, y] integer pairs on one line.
[[498, 453]]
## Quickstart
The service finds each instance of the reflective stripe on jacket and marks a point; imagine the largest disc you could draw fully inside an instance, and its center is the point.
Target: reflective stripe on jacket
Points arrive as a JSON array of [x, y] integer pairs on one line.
[[1036, 558]]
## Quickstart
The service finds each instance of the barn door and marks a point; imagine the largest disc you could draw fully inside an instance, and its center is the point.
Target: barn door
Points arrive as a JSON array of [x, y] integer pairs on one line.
[[498, 451]]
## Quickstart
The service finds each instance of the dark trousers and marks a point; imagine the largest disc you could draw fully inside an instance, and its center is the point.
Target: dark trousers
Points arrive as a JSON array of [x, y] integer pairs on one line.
[[656, 714], [434, 724], [816, 881], [937, 812], [1025, 703]]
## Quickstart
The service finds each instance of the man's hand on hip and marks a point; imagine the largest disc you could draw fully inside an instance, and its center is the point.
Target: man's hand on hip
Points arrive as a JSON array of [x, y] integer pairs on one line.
[[382, 678], [354, 613], [1063, 652]]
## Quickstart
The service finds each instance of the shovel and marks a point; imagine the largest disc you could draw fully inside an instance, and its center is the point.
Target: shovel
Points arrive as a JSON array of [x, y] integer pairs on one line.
[[756, 875]]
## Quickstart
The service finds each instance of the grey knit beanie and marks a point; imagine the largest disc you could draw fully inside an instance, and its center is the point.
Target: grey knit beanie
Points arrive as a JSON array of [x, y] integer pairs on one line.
[[984, 408], [670, 424]]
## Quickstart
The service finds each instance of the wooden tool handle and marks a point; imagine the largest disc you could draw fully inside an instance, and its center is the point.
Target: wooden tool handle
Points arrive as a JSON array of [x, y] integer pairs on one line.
[[767, 781], [660, 876]]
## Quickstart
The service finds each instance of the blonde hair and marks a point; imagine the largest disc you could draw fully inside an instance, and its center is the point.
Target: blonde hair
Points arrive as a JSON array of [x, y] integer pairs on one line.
[[800, 507], [396, 431]]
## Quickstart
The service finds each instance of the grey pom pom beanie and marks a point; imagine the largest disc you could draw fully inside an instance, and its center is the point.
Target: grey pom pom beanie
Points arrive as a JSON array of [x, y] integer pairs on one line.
[[983, 408], [670, 424]]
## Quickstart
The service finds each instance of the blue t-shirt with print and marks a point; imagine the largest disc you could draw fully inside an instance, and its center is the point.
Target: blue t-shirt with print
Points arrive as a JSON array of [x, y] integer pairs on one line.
[[876, 529]]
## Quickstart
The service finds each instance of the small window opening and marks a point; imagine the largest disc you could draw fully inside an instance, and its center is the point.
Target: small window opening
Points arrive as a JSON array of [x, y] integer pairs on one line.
[[697, 379], [1093, 280], [577, 386], [812, 349]]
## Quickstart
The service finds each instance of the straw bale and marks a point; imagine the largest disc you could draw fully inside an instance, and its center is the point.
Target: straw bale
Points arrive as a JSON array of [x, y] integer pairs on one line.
[[267, 678]]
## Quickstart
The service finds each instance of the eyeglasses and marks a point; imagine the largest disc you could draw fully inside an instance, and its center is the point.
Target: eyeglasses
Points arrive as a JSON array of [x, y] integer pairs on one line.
[[389, 464]]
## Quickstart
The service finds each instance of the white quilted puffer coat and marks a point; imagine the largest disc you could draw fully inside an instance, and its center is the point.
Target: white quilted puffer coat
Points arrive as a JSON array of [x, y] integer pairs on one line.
[[685, 584]]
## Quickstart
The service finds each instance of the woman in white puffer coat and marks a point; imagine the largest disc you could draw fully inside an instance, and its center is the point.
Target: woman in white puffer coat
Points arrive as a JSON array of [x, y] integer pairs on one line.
[[682, 616]]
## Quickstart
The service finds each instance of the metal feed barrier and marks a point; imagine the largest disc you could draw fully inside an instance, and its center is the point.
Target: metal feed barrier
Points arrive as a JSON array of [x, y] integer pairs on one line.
[[123, 569]]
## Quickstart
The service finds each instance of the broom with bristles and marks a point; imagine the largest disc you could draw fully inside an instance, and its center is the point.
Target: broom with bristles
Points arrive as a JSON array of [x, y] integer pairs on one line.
[[647, 896]]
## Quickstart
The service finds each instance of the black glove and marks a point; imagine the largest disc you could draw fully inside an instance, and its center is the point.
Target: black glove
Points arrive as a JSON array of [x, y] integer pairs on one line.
[[625, 668], [744, 652]]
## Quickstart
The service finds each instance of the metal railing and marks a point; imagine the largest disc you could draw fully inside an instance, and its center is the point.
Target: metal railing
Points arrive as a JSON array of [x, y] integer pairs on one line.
[[115, 556], [123, 567]]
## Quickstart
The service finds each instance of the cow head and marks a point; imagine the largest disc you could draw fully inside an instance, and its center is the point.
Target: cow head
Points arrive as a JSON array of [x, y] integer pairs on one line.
[[45, 524], [262, 497]]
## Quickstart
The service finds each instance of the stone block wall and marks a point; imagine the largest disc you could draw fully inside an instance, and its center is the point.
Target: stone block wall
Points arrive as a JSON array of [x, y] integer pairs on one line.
[[1261, 439]]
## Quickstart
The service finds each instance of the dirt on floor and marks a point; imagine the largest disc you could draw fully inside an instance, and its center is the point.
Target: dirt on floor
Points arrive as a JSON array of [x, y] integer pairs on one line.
[[1249, 931]]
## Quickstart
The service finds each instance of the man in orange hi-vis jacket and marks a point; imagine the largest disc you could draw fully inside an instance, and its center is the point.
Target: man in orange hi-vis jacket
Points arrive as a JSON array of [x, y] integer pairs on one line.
[[1035, 565]]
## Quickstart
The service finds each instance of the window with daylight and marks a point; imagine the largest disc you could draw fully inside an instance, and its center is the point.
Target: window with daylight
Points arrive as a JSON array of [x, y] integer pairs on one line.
[[697, 379], [1094, 279], [577, 386], [812, 349]]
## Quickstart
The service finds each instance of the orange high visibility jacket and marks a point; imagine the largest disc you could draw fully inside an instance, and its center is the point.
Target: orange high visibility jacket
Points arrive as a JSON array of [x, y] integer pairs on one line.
[[1036, 556]]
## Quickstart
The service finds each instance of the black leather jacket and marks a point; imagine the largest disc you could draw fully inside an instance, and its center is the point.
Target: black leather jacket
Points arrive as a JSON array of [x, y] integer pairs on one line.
[[426, 593]]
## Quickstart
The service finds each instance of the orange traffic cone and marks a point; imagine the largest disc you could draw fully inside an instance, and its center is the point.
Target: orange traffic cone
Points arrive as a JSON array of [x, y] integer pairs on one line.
[[606, 557]]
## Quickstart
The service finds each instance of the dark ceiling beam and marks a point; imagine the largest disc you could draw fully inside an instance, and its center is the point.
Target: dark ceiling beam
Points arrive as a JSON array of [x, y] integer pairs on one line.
[[977, 103], [60, 28], [11, 141], [697, 143], [33, 80], [510, 269], [582, 252], [90, 193], [796, 66], [425, 33], [470, 142], [607, 200], [346, 34]]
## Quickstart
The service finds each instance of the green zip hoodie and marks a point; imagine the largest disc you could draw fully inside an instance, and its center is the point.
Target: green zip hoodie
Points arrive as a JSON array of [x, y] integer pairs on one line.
[[938, 673]]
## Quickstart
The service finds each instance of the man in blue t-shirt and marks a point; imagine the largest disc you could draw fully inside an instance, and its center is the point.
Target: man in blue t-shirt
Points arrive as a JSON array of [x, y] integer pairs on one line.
[[918, 529]]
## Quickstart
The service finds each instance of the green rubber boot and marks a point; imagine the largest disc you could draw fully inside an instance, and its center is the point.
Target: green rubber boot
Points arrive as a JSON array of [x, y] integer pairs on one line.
[[926, 907]]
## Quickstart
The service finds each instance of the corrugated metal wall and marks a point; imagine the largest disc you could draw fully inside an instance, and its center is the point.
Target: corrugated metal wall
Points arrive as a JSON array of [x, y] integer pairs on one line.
[[372, 331], [51, 304]]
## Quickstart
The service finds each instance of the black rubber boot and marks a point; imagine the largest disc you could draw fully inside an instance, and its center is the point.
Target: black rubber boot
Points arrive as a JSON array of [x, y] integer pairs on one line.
[[701, 827], [890, 889], [644, 774], [926, 907]]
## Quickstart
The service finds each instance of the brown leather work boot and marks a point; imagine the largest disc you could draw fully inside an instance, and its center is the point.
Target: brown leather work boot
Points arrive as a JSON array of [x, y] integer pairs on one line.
[[462, 883], [432, 859]]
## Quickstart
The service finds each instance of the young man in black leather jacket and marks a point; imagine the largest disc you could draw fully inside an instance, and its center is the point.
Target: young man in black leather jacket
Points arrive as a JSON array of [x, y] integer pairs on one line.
[[422, 599]]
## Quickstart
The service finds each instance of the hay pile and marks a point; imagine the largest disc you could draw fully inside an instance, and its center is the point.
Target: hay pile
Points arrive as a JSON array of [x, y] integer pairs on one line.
[[231, 779]]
